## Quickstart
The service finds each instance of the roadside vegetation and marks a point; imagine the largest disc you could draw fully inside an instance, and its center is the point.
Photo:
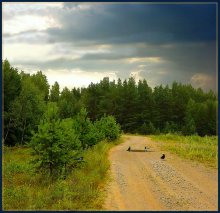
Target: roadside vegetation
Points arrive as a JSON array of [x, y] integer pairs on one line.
[[201, 149], [24, 189]]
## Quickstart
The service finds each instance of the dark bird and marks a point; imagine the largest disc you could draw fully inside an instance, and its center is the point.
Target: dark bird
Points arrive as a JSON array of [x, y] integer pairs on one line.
[[129, 149], [163, 156], [79, 159]]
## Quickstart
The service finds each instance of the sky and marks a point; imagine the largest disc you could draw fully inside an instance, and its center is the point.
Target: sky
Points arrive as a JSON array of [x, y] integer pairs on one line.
[[78, 43]]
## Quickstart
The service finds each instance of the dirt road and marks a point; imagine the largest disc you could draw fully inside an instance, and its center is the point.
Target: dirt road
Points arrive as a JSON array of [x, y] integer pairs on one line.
[[142, 181]]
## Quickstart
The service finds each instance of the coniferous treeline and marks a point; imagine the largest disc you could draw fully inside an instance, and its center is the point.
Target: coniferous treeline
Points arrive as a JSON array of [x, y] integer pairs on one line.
[[137, 107], [140, 109]]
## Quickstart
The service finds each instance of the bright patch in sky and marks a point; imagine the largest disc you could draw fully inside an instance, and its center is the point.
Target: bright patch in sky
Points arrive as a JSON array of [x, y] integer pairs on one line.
[[27, 22], [147, 59], [77, 77]]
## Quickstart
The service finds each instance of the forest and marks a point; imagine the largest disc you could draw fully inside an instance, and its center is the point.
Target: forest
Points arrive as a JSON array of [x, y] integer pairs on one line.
[[137, 107]]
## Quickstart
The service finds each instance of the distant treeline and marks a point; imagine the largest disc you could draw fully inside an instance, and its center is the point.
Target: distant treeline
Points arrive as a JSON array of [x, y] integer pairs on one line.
[[136, 107]]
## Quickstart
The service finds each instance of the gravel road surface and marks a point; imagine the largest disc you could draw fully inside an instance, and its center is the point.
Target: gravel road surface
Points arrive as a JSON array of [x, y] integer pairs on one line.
[[142, 181]]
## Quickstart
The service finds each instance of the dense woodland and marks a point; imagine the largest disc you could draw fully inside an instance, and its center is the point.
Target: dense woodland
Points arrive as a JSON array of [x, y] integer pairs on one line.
[[138, 108]]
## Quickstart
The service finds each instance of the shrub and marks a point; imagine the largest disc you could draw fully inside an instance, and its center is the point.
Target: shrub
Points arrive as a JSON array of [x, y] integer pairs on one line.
[[108, 128]]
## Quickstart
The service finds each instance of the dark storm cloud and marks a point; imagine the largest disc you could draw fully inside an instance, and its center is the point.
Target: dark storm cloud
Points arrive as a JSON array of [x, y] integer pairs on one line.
[[129, 23], [132, 23], [183, 36]]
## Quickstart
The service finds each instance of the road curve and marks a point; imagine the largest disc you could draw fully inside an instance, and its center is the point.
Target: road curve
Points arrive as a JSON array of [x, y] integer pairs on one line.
[[142, 181]]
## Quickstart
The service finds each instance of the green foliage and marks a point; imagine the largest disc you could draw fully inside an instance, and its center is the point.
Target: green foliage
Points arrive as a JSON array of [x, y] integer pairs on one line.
[[166, 108], [24, 113], [189, 128], [129, 101], [83, 126], [81, 190], [147, 129], [108, 128], [55, 92], [91, 98], [90, 134], [170, 127], [12, 84], [136, 107], [68, 103], [40, 81], [143, 129], [163, 106], [55, 144], [11, 89]]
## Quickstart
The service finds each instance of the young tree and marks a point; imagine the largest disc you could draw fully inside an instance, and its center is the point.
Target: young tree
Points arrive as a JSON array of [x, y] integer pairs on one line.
[[55, 144], [82, 126]]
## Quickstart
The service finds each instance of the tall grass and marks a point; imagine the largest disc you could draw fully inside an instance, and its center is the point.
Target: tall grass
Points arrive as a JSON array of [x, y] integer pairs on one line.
[[23, 189], [201, 149]]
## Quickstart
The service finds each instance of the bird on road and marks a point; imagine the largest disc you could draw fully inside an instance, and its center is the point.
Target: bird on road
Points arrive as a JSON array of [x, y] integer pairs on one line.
[[79, 159], [129, 149], [145, 148], [163, 156]]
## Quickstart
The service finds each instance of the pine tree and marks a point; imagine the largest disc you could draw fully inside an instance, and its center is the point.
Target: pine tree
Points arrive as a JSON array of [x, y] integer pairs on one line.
[[55, 92], [54, 143], [189, 127]]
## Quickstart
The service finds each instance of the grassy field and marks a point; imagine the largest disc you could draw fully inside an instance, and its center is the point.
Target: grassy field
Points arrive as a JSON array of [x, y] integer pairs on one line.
[[23, 189], [201, 149]]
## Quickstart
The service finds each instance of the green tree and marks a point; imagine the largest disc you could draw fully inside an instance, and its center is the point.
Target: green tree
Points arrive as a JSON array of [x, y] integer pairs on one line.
[[68, 104], [40, 81], [82, 125], [91, 97], [189, 127], [108, 127], [25, 113], [55, 144], [129, 103], [145, 103], [107, 98], [12, 84], [163, 106], [11, 90], [55, 92], [212, 107], [147, 129]]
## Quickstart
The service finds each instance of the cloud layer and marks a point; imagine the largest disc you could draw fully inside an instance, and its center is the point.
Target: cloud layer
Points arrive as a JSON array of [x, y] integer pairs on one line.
[[159, 42]]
